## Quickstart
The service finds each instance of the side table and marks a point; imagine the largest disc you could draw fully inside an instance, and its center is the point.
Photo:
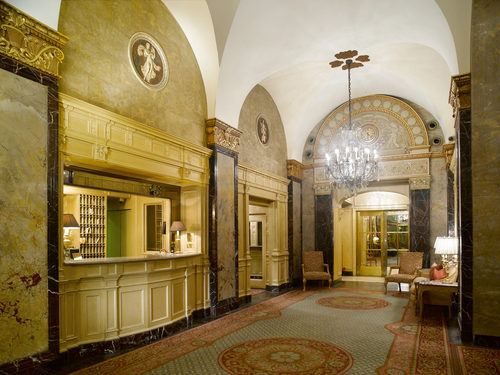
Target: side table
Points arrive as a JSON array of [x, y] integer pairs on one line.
[[434, 292]]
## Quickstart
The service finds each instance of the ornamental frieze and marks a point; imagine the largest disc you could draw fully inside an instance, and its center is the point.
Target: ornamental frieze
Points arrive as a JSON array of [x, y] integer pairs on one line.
[[29, 41], [221, 134]]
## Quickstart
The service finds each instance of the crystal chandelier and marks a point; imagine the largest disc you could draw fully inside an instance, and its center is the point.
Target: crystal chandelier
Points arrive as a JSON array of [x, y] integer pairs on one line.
[[351, 165]]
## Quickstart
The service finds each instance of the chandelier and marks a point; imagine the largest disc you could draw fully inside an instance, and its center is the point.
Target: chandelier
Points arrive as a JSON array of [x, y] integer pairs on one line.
[[350, 164]]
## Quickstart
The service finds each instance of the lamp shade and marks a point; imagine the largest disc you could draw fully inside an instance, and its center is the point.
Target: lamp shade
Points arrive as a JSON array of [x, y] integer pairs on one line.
[[177, 226], [70, 222], [446, 245]]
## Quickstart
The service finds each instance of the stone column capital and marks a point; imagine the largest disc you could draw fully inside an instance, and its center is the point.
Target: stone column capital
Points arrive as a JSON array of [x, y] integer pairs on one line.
[[459, 97], [420, 183], [29, 41], [294, 169], [221, 134], [448, 150]]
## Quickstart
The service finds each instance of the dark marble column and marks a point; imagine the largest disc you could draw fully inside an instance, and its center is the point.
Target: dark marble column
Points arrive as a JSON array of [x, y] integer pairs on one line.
[[450, 197], [420, 223], [460, 100], [223, 216], [294, 171], [323, 230]]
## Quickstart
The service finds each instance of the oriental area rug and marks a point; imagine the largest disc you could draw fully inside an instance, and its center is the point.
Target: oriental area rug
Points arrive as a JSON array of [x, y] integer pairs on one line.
[[321, 332]]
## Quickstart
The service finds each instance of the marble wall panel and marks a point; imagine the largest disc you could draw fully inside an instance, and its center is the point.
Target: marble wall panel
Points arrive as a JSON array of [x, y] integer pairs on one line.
[[270, 157], [420, 223], [324, 227], [464, 225], [24, 321], [308, 210], [438, 203], [485, 153], [226, 257], [97, 69]]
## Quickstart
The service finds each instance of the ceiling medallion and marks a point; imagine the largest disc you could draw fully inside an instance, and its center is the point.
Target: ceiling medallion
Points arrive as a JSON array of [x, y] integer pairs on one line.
[[262, 130], [148, 61], [351, 163]]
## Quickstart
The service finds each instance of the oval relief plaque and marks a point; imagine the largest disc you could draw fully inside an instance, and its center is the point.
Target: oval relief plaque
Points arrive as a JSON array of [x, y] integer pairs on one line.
[[368, 134], [262, 130], [148, 61]]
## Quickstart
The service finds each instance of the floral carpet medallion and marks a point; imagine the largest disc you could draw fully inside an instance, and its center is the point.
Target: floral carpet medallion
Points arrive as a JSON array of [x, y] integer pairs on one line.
[[353, 302], [277, 356]]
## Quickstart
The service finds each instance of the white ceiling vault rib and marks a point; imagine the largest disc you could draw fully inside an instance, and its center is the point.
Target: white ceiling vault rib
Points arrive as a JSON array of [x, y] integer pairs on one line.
[[286, 45], [193, 16]]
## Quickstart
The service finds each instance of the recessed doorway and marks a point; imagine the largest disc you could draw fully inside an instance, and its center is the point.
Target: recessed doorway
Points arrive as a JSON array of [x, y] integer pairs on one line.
[[257, 239], [381, 237]]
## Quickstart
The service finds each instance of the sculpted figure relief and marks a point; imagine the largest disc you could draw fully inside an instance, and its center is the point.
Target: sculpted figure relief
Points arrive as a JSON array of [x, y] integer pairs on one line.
[[149, 67], [148, 61]]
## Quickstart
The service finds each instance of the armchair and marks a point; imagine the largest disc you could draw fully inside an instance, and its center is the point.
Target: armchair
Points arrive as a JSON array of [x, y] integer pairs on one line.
[[409, 264], [313, 268]]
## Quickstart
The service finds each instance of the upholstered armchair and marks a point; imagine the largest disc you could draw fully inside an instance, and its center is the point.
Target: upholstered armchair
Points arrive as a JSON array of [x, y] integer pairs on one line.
[[409, 265], [314, 268]]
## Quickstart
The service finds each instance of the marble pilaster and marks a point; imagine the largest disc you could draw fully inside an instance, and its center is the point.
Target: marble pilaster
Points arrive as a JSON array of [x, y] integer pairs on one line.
[[420, 223], [450, 199], [323, 217], [460, 100], [33, 267], [223, 216], [294, 169]]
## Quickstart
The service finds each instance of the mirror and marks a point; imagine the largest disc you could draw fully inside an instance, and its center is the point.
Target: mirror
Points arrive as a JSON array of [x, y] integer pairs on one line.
[[255, 233]]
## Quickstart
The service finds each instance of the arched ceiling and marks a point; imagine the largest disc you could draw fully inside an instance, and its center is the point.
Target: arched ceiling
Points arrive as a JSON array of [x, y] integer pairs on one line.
[[414, 46], [286, 47]]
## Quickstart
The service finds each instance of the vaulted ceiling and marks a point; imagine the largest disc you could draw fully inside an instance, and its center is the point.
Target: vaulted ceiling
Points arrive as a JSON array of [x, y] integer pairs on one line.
[[415, 46]]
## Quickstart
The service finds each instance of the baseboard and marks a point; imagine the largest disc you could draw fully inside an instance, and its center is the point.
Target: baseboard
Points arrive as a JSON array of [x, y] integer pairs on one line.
[[489, 341], [278, 288]]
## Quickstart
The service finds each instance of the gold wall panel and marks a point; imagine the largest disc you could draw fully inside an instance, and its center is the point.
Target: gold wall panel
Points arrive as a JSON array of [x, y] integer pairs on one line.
[[95, 138]]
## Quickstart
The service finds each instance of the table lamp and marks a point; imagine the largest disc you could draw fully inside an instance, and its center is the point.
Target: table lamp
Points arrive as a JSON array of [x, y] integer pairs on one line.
[[447, 247], [177, 227]]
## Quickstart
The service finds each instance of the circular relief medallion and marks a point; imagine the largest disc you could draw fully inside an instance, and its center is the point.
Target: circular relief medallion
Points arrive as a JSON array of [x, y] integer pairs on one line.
[[262, 130], [285, 356], [148, 61], [353, 303], [368, 134]]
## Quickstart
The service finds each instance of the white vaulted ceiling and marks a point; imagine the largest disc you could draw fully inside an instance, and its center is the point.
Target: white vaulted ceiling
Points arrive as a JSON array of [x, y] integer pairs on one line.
[[415, 46], [286, 45]]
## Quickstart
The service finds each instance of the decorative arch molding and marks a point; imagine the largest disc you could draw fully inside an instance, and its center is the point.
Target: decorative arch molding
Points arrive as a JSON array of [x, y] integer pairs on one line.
[[388, 122]]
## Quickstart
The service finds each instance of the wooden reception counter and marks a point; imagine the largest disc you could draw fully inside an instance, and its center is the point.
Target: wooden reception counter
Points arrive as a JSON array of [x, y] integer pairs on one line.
[[109, 298]]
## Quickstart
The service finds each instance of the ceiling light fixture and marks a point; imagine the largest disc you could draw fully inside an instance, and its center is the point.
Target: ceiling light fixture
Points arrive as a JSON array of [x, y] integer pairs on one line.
[[351, 165]]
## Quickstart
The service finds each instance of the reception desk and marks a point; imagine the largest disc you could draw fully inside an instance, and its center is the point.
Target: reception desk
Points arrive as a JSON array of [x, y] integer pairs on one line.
[[109, 298]]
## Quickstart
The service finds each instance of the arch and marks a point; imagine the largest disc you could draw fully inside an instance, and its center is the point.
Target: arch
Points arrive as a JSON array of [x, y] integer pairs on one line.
[[378, 200], [374, 117]]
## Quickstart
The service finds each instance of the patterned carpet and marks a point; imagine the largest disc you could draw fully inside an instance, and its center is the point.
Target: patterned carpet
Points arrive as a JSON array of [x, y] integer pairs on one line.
[[328, 331]]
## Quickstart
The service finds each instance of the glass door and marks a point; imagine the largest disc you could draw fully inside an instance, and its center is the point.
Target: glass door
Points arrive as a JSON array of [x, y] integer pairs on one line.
[[371, 257], [397, 235]]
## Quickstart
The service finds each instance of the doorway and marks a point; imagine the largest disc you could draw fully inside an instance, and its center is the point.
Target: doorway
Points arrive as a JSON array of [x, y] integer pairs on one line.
[[257, 243], [381, 237]]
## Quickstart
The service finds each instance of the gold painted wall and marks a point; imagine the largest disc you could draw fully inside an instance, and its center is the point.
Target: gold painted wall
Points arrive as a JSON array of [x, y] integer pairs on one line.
[[485, 167], [272, 156], [97, 69], [23, 218]]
